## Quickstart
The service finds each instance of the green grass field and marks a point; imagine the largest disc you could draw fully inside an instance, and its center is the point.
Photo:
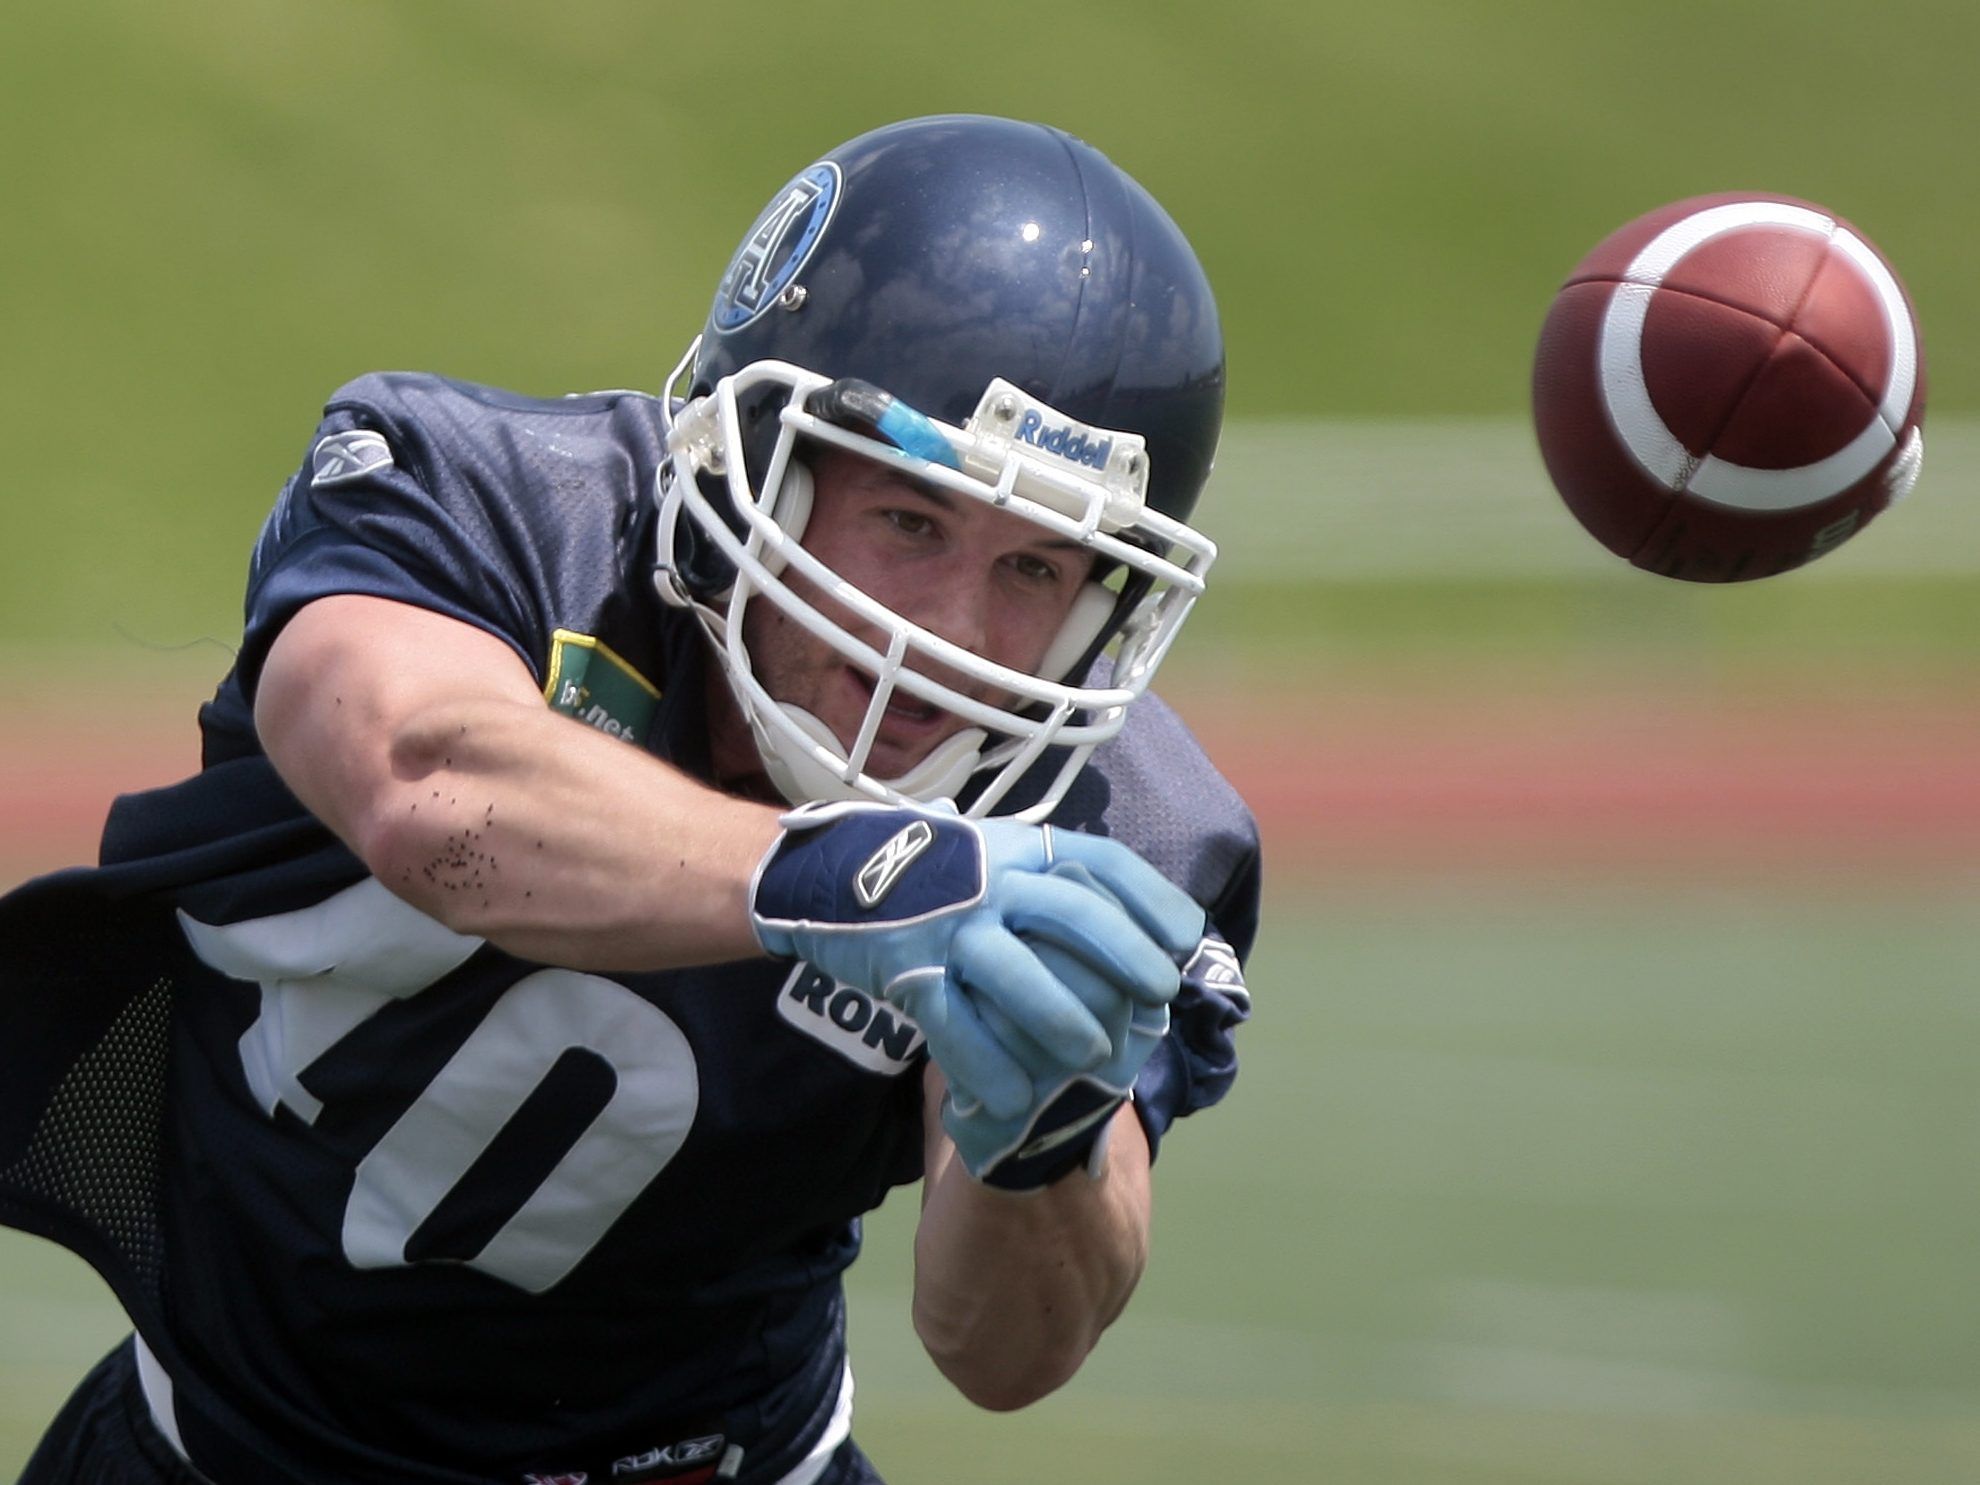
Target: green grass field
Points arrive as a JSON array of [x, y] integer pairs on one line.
[[1525, 1181], [1543, 1182]]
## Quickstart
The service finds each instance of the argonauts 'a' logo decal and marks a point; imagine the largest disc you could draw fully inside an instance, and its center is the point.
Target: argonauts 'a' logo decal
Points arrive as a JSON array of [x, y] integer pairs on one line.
[[779, 244]]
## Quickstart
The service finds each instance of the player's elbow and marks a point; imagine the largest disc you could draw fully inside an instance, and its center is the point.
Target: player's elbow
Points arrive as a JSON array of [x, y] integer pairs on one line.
[[415, 828], [387, 838], [1008, 1355], [1011, 1396], [1001, 1380]]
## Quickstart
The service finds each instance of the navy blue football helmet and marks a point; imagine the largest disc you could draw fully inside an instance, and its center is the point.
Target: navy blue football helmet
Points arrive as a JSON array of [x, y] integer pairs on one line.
[[999, 309]]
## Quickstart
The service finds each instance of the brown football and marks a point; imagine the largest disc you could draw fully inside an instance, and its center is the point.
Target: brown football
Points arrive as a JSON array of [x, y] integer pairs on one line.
[[1730, 386]]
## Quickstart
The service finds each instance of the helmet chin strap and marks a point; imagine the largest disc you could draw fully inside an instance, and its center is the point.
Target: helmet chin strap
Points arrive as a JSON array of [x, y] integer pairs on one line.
[[802, 779]]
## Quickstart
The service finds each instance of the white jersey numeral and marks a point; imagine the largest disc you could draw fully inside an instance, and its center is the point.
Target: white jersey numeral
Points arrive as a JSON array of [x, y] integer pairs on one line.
[[325, 969]]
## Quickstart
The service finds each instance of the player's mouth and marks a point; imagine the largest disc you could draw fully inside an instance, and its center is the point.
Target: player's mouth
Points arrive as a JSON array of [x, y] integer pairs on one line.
[[908, 721]]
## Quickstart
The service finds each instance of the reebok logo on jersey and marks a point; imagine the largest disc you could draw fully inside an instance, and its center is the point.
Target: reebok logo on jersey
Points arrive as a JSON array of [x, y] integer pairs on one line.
[[347, 456], [1215, 966], [885, 866], [861, 1028]]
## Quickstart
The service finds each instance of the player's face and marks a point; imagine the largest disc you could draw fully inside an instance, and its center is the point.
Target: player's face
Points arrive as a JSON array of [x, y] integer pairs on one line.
[[981, 578]]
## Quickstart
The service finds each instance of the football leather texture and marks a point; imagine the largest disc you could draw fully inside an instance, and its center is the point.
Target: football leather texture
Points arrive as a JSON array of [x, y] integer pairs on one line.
[[1730, 386]]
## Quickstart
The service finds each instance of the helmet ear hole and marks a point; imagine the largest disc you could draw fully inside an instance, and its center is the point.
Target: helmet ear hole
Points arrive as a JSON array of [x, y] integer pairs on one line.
[[1087, 620]]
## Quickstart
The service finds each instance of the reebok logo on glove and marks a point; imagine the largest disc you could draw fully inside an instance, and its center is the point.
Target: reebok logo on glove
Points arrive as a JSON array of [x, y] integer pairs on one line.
[[884, 867]]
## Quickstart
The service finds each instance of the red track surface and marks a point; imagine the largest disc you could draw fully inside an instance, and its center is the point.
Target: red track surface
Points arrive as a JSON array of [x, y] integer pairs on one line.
[[59, 772], [1380, 780], [1365, 781]]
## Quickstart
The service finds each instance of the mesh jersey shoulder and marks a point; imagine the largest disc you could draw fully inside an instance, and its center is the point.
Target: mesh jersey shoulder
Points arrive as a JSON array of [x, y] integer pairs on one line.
[[1153, 788], [519, 515]]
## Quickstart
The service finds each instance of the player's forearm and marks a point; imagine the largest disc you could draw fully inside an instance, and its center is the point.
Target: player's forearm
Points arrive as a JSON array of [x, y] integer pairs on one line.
[[559, 844], [1012, 1292], [447, 775]]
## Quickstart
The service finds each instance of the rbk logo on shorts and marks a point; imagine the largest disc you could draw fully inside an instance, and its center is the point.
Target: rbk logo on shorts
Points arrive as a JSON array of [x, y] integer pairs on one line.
[[686, 1463], [861, 1028], [689, 1462], [884, 867]]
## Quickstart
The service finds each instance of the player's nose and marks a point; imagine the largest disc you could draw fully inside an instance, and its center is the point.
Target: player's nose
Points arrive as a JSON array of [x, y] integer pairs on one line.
[[953, 600]]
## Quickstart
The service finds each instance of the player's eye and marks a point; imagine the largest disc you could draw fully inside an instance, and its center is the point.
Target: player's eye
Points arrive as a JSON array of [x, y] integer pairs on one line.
[[1035, 569], [909, 522]]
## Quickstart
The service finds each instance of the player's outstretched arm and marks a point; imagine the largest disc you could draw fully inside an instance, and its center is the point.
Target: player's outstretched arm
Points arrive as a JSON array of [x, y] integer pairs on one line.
[[1039, 965], [1012, 1292], [424, 744]]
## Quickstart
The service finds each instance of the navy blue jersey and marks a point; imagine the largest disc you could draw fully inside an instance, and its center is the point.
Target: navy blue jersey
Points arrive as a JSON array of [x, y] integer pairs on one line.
[[407, 1207]]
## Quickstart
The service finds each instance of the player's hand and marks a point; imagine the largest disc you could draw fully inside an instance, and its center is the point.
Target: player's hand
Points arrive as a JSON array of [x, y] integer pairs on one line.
[[1071, 1108], [948, 918]]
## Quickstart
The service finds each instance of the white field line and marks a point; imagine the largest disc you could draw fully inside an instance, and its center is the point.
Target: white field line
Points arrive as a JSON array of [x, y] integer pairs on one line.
[[1467, 498]]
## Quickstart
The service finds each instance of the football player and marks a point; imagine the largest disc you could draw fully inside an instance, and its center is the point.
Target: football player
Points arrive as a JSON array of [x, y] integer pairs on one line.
[[638, 833]]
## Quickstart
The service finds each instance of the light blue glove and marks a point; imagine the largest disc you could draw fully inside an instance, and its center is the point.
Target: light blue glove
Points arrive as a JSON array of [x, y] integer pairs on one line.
[[939, 915], [1071, 1108]]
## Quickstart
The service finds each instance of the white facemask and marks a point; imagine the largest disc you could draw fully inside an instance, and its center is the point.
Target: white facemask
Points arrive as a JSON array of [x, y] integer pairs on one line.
[[1014, 453]]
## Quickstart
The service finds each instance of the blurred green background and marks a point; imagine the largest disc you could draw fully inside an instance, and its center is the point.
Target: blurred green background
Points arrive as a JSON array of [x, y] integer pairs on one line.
[[1538, 1173], [216, 214]]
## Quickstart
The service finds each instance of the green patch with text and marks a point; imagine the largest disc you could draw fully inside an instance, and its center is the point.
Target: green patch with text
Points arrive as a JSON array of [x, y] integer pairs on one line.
[[591, 683]]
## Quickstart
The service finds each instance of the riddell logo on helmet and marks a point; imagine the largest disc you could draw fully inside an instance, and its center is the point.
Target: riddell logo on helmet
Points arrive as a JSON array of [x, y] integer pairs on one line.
[[1068, 443]]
